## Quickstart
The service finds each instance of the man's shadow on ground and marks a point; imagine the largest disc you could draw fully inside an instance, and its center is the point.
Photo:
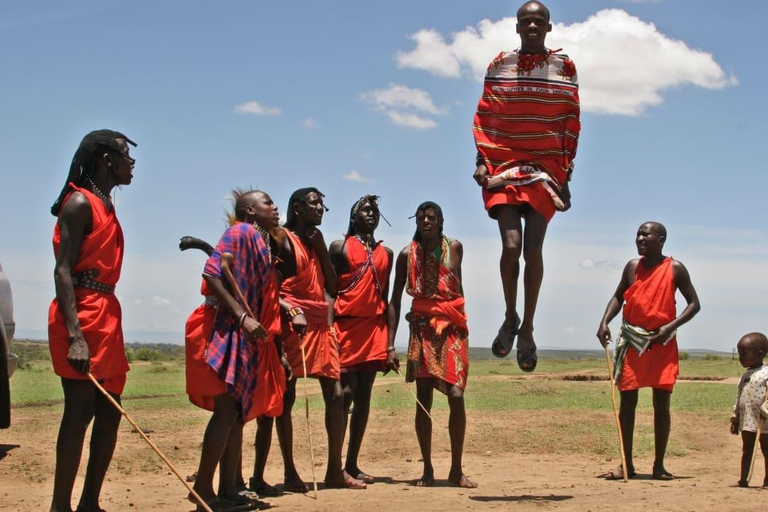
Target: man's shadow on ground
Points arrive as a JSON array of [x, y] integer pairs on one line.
[[6, 448], [523, 498]]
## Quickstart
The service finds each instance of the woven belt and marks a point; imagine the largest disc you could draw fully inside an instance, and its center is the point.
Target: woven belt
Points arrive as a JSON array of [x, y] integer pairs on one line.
[[85, 280], [210, 300]]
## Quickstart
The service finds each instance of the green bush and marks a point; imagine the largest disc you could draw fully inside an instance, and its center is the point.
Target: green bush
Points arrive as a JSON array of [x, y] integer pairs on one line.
[[147, 354], [713, 357], [684, 356]]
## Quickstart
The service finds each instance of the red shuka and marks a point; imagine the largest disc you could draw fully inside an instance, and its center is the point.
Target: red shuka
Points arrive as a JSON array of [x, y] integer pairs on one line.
[[99, 313], [203, 383], [270, 375], [528, 115], [306, 290], [360, 320], [650, 303]]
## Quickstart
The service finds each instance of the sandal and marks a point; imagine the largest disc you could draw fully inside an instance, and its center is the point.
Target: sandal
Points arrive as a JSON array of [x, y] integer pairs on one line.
[[504, 341], [662, 474], [617, 474], [527, 359]]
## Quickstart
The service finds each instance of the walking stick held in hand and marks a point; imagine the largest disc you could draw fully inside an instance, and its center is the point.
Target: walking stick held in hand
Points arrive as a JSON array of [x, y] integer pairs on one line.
[[760, 431], [306, 414], [616, 414], [194, 494], [415, 397]]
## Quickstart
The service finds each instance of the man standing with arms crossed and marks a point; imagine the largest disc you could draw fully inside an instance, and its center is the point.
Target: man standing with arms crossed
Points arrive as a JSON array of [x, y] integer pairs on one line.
[[526, 130]]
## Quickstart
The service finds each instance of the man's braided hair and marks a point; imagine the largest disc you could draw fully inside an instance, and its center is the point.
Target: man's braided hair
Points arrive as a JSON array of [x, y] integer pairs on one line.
[[85, 160]]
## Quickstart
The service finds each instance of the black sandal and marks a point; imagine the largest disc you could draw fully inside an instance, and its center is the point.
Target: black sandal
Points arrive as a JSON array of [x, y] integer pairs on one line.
[[504, 341]]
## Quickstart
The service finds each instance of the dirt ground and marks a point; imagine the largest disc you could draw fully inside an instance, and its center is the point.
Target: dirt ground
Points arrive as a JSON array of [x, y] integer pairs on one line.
[[516, 464]]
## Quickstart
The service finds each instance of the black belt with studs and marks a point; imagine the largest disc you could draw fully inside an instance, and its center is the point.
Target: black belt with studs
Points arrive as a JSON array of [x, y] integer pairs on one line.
[[85, 279]]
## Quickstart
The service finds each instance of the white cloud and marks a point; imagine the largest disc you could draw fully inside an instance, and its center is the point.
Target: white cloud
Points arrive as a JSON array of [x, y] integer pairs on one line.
[[411, 120], [160, 301], [624, 63], [402, 97], [405, 106], [254, 107], [353, 175], [309, 123], [589, 264]]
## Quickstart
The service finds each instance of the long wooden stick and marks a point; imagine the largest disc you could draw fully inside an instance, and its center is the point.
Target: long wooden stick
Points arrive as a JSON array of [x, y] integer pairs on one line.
[[415, 397], [226, 262], [616, 415], [757, 442], [306, 413], [197, 497]]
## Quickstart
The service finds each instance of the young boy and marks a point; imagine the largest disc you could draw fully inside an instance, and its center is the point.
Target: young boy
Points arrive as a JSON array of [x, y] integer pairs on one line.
[[751, 407]]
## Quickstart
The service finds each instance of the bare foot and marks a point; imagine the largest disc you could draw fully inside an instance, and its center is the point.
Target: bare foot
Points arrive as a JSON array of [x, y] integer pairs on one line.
[[426, 480], [345, 482], [461, 481], [295, 484]]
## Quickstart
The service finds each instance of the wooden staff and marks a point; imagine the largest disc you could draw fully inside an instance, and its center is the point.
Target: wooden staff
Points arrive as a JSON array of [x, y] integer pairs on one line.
[[306, 414], [197, 497], [757, 441], [415, 397], [616, 414]]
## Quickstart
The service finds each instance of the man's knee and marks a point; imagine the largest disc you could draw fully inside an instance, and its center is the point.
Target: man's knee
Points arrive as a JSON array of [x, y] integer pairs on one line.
[[510, 247], [661, 399], [455, 396], [628, 400], [532, 253]]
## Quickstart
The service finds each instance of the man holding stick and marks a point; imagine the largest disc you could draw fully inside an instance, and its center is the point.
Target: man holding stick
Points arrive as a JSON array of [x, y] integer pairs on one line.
[[85, 331], [308, 278], [646, 349], [240, 274], [526, 130], [429, 269]]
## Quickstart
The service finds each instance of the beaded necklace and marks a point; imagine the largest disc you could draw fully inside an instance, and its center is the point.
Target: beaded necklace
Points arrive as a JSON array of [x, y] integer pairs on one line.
[[368, 263], [96, 190], [267, 239]]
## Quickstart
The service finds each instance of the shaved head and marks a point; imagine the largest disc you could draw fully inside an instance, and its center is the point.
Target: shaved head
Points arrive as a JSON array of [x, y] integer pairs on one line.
[[533, 6], [243, 199], [755, 341], [657, 227]]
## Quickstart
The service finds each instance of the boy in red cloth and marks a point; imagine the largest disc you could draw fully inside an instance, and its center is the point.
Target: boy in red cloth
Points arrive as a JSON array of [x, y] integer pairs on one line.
[[646, 349], [363, 266], [85, 332], [429, 269]]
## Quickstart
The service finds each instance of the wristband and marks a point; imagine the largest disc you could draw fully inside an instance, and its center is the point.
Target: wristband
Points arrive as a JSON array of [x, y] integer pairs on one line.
[[242, 318], [391, 349], [294, 312]]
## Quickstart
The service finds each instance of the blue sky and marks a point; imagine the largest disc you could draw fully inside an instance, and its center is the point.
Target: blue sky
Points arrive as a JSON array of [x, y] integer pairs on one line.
[[364, 97]]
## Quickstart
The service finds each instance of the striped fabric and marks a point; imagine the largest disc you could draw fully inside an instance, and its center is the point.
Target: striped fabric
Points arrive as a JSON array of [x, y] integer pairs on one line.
[[529, 116], [232, 355], [630, 336]]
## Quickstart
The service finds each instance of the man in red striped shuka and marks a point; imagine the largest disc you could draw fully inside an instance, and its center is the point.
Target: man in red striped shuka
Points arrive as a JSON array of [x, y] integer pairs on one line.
[[526, 130]]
